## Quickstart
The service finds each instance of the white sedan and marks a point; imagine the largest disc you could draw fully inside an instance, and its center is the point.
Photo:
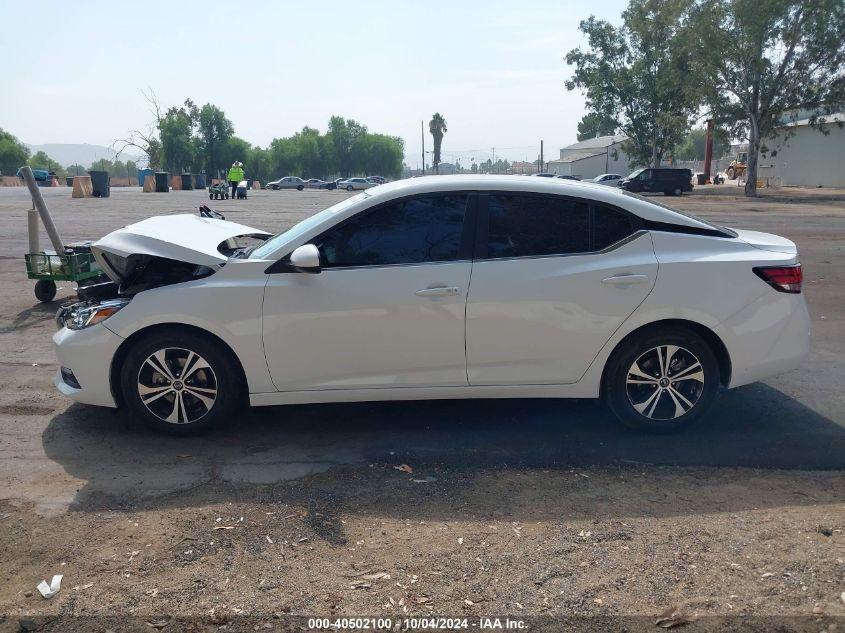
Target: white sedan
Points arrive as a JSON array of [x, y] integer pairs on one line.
[[610, 180], [288, 182], [355, 184], [578, 291]]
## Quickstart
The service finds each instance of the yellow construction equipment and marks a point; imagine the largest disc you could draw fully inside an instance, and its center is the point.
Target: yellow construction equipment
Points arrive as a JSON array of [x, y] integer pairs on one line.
[[737, 167]]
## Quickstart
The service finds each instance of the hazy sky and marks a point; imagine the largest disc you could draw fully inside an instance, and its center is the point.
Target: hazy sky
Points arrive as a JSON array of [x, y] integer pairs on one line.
[[494, 69]]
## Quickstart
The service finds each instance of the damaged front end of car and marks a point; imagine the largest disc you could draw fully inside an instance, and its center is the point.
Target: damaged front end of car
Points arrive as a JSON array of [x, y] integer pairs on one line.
[[159, 251]]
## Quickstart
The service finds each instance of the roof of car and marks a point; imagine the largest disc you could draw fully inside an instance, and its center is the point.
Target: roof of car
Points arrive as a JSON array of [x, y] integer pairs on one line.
[[530, 184]]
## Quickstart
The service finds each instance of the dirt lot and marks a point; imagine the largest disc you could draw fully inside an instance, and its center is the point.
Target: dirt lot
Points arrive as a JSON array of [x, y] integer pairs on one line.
[[539, 510]]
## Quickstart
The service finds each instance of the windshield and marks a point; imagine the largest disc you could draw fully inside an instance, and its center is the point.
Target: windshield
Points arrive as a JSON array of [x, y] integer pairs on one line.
[[634, 174], [303, 227]]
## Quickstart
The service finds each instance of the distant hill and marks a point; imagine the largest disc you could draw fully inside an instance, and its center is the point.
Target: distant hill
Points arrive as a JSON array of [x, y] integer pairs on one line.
[[82, 153]]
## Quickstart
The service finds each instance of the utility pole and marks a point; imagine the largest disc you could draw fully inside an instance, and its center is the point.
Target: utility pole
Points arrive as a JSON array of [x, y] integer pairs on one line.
[[541, 170], [708, 151], [422, 136]]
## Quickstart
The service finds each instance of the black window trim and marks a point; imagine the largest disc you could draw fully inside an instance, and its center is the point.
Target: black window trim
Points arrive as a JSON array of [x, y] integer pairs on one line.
[[465, 248]]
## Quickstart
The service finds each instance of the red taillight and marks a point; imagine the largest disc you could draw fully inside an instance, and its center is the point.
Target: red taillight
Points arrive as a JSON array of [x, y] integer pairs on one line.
[[781, 278]]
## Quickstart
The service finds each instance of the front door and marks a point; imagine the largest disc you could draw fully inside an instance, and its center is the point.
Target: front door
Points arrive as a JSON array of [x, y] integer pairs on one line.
[[555, 277], [387, 309]]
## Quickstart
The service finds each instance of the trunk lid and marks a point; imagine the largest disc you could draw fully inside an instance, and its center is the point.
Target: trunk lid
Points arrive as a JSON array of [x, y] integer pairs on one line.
[[767, 241], [183, 240]]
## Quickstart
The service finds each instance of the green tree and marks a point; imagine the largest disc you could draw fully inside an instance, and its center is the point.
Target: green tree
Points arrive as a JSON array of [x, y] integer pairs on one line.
[[766, 62], [593, 125], [214, 130], [437, 127], [343, 134], [178, 145], [639, 74], [692, 147], [76, 170], [13, 154]]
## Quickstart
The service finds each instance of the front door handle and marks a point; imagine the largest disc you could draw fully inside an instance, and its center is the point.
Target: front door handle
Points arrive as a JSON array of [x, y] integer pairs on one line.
[[624, 280], [442, 291]]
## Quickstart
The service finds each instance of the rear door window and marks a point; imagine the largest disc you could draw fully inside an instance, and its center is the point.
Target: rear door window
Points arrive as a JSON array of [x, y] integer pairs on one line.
[[610, 226]]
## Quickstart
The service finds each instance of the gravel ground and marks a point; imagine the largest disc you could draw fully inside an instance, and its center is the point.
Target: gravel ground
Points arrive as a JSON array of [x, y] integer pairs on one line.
[[539, 510]]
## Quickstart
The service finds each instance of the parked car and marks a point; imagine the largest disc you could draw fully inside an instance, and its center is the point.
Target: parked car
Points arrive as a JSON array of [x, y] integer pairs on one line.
[[371, 299], [544, 175], [354, 184], [288, 182], [565, 177], [672, 182], [377, 180], [611, 180], [314, 183]]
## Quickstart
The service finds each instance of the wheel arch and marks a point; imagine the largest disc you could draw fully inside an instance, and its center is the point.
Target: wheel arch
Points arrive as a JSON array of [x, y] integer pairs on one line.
[[709, 336], [120, 355]]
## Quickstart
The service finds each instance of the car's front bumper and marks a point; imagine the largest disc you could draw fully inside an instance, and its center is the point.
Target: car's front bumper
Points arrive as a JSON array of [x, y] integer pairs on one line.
[[88, 353]]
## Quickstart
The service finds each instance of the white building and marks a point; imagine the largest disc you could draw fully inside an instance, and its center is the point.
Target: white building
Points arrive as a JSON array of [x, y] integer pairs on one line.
[[808, 158], [593, 157]]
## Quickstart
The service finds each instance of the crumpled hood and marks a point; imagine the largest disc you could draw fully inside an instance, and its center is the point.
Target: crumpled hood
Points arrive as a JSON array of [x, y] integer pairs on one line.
[[186, 238]]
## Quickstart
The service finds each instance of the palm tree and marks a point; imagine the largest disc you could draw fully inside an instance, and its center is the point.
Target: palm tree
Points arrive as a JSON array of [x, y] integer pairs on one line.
[[437, 127]]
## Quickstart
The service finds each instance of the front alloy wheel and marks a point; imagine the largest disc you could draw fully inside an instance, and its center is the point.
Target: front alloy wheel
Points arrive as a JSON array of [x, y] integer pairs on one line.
[[177, 385], [180, 381], [661, 379]]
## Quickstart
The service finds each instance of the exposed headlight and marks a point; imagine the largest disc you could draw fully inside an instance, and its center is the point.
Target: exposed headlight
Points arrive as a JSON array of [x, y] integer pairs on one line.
[[82, 315]]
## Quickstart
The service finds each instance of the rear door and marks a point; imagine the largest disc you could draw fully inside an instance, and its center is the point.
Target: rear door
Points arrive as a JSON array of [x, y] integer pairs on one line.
[[553, 278]]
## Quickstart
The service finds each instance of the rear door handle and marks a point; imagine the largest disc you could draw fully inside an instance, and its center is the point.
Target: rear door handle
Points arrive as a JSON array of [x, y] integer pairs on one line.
[[624, 280], [442, 291]]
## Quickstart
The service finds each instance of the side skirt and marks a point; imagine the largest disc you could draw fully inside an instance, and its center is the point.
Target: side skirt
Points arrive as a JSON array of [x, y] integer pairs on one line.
[[578, 390]]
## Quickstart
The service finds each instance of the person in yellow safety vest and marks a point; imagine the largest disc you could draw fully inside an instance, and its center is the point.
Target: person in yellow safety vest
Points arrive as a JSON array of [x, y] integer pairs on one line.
[[236, 174]]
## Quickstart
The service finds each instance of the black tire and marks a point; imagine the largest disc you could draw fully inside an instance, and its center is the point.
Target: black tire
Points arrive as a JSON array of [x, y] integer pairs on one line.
[[300, 188], [222, 377], [678, 191], [349, 187], [45, 290], [227, 196], [730, 172], [211, 196], [660, 413]]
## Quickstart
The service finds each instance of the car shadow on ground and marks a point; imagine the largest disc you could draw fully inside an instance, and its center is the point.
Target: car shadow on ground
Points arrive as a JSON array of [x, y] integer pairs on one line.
[[341, 456], [322, 448]]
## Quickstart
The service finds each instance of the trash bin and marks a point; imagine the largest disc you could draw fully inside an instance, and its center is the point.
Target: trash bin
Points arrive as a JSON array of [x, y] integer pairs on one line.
[[701, 179], [199, 181], [69, 181], [186, 182], [162, 182], [142, 175], [99, 183]]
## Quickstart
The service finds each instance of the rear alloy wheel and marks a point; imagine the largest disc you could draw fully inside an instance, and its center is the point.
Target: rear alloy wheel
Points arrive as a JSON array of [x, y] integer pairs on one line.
[[349, 187], [179, 383], [663, 382], [678, 191]]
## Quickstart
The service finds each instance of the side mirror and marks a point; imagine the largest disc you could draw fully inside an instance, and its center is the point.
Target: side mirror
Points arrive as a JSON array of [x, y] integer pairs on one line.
[[306, 259]]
